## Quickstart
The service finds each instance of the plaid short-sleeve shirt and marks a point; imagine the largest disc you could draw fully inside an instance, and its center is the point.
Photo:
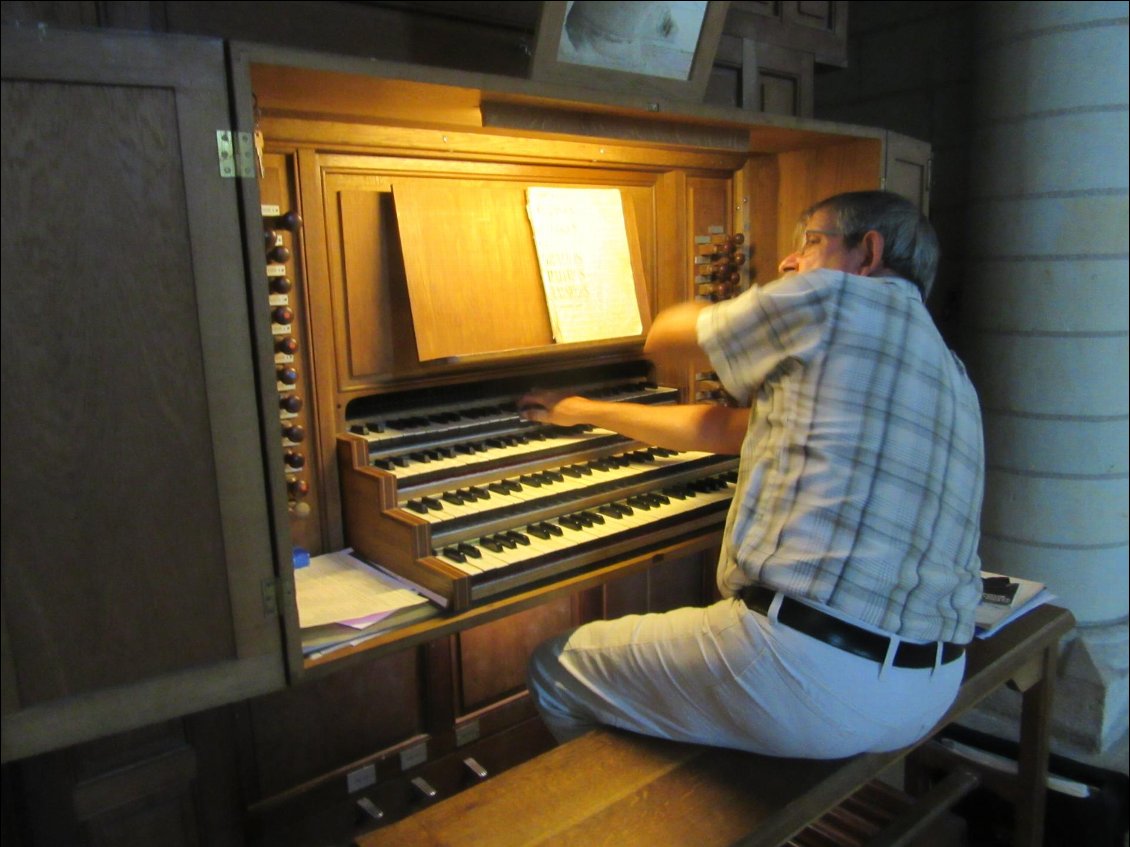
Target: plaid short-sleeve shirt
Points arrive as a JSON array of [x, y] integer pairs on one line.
[[862, 469]]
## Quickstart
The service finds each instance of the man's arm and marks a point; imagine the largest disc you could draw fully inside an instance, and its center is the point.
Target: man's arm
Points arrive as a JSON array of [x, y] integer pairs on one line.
[[714, 429], [673, 335]]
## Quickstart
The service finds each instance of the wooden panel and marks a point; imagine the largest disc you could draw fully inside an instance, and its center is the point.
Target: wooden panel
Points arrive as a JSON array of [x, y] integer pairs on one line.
[[724, 88], [90, 348], [376, 340], [493, 657], [350, 95], [709, 205], [136, 527], [327, 724], [779, 95], [359, 285], [815, 14], [473, 276], [908, 169], [359, 29], [785, 80], [671, 584], [807, 176], [626, 596], [816, 27], [679, 582], [760, 184], [173, 783]]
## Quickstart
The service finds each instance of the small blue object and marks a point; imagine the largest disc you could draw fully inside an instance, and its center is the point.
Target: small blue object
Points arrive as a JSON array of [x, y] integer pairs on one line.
[[301, 557]]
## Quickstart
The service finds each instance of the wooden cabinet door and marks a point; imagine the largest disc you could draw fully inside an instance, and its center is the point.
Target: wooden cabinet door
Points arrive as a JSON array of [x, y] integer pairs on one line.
[[138, 560], [906, 169]]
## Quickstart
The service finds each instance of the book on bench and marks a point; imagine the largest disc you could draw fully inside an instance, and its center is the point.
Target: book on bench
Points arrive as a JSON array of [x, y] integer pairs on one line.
[[1004, 599]]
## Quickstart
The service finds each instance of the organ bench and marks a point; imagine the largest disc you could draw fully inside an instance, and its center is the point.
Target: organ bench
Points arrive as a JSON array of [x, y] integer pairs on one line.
[[610, 787]]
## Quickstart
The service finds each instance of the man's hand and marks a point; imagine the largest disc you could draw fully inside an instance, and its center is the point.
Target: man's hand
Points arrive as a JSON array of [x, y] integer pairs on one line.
[[554, 407]]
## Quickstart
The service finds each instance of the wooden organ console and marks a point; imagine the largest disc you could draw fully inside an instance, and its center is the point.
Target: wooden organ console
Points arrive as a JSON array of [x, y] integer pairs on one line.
[[414, 317], [408, 316], [412, 293]]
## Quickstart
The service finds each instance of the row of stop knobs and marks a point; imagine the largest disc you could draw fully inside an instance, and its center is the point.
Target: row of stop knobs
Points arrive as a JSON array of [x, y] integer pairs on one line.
[[718, 262], [286, 348]]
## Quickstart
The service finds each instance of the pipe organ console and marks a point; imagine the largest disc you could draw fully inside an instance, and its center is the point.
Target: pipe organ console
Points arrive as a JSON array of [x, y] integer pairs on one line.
[[409, 314], [469, 500]]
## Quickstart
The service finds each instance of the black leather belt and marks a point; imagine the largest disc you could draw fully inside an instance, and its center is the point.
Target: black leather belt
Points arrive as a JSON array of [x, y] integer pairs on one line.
[[846, 636]]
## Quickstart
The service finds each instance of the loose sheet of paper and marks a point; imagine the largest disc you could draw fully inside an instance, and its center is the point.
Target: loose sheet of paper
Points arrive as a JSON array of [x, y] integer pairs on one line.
[[586, 266], [337, 587]]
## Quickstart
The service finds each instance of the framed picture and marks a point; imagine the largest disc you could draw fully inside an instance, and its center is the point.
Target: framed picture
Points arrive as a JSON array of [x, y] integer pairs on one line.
[[650, 47]]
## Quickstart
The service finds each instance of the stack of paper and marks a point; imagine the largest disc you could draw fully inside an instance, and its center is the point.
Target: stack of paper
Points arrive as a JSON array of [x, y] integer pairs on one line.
[[343, 600]]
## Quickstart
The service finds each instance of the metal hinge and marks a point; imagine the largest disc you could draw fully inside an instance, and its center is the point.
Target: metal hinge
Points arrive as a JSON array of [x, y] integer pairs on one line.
[[273, 591], [236, 152]]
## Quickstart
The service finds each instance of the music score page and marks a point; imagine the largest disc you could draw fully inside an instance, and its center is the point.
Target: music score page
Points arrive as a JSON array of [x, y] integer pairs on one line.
[[585, 261]]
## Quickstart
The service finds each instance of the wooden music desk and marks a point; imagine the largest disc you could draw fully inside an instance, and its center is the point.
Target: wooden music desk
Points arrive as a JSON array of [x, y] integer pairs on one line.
[[616, 788]]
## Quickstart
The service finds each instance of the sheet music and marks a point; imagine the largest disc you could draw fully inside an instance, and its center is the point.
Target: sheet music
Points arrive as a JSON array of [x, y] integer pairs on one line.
[[586, 266], [339, 588]]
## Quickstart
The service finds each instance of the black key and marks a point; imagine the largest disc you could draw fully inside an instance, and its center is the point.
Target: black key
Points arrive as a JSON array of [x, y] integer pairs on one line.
[[508, 543]]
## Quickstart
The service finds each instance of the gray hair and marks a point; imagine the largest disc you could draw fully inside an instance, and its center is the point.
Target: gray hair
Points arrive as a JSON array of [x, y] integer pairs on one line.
[[910, 245]]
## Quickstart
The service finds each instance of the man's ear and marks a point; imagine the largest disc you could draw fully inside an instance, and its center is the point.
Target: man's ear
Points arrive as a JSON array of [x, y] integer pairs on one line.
[[871, 260]]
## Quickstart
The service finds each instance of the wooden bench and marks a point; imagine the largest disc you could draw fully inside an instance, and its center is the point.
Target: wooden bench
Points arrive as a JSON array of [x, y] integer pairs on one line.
[[616, 788]]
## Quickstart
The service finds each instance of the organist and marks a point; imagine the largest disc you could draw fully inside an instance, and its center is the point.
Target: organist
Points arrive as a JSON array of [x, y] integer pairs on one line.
[[849, 566]]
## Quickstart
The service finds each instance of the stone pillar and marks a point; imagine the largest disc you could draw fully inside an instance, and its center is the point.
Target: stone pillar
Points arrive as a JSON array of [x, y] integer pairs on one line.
[[1046, 311]]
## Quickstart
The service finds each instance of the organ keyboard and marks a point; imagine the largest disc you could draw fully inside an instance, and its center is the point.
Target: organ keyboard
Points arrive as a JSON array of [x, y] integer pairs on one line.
[[468, 500]]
